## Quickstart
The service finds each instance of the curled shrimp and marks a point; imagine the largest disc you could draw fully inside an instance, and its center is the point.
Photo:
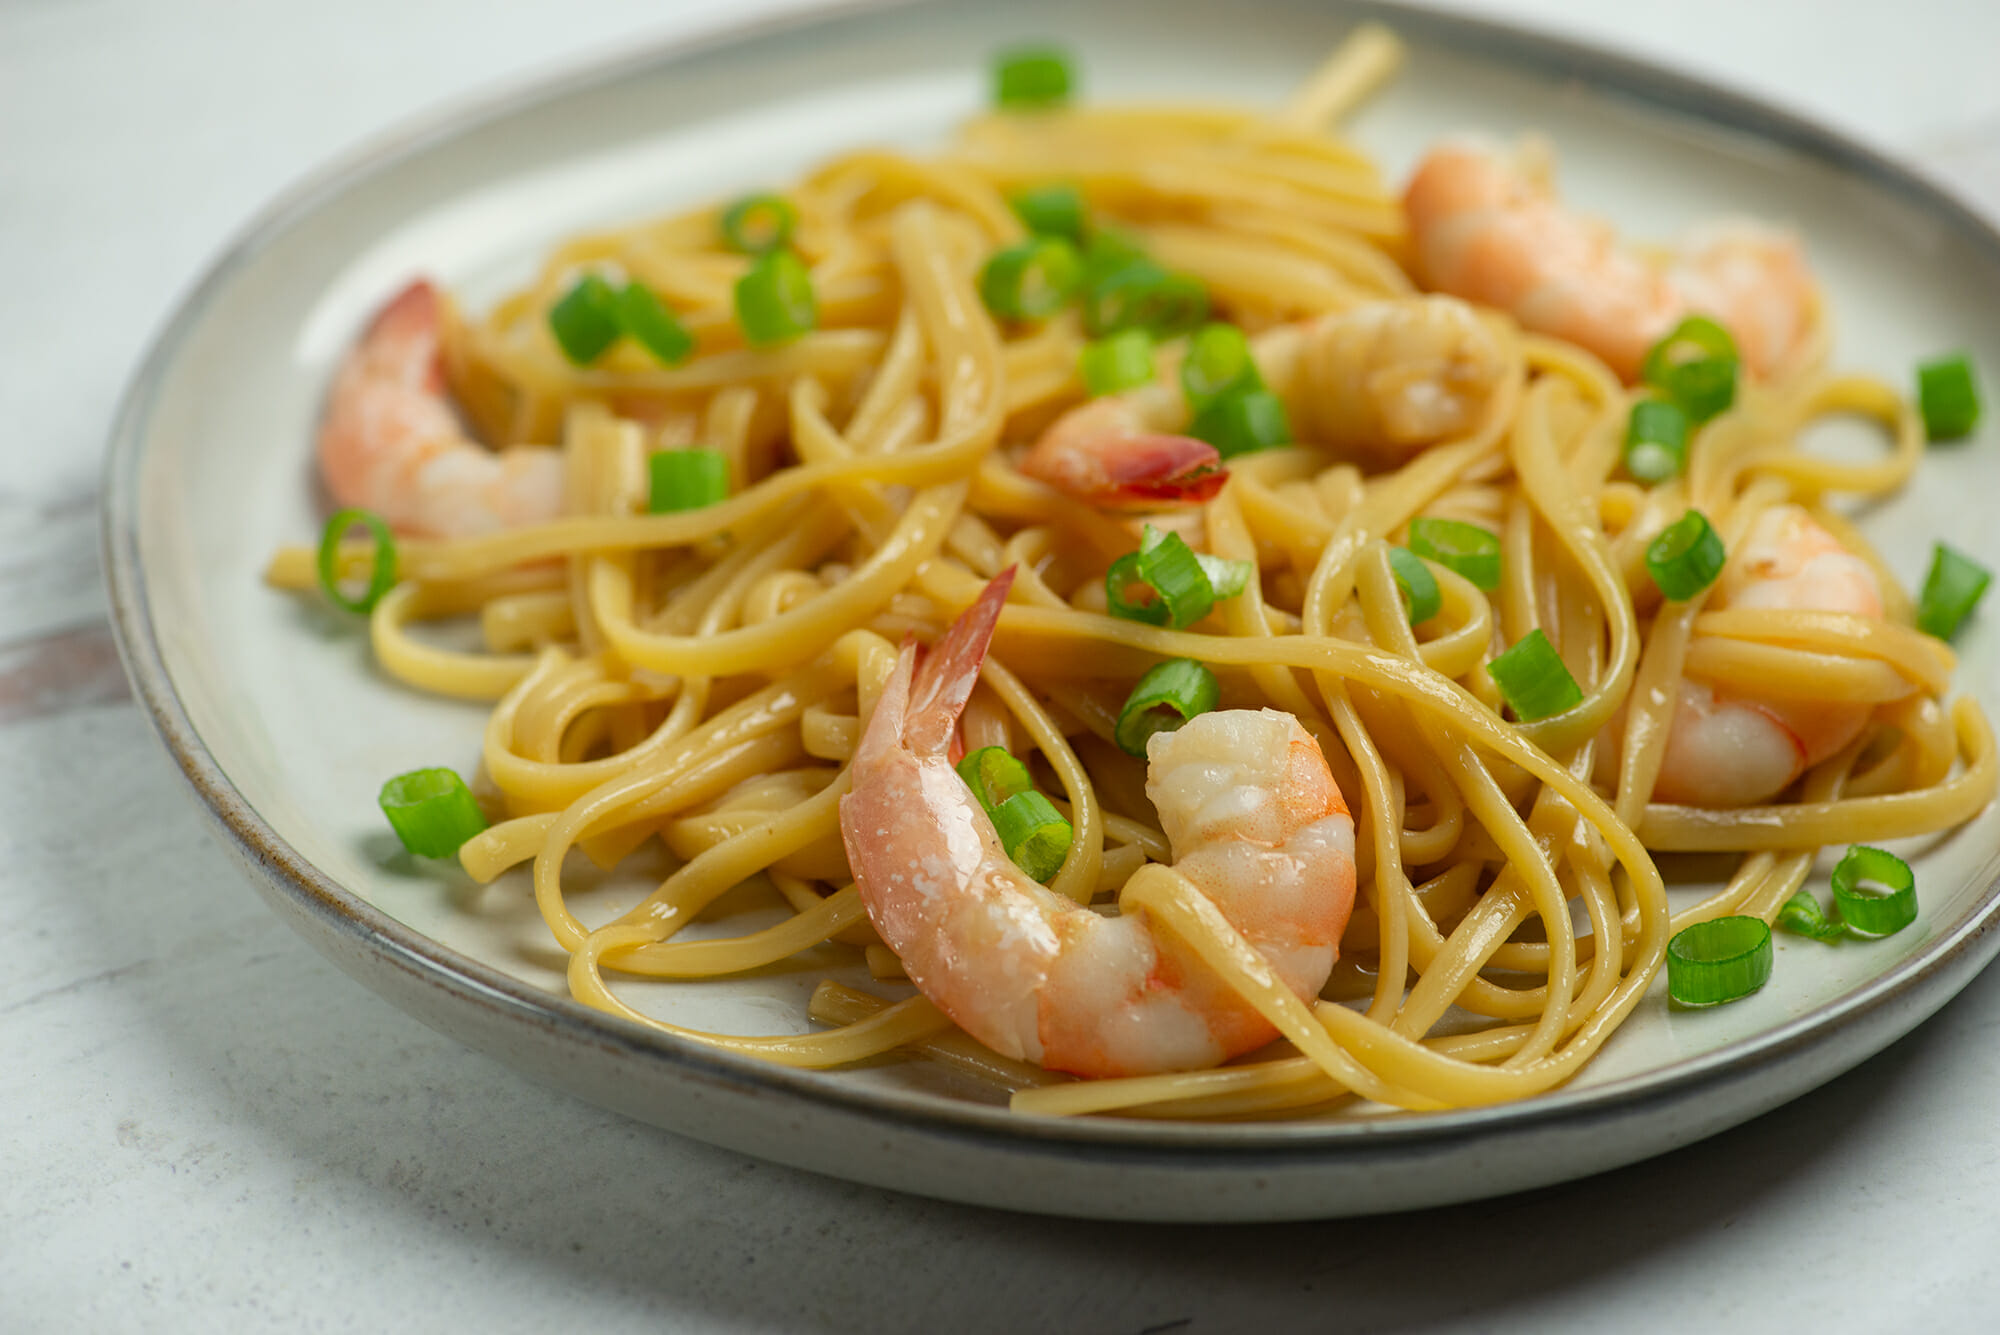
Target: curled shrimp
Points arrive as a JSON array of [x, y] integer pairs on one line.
[[1256, 821], [1491, 230], [1384, 378], [390, 441], [1732, 748]]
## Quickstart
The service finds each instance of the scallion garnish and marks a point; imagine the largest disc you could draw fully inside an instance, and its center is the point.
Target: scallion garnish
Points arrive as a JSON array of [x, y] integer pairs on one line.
[[757, 224], [432, 811], [1948, 396], [1802, 916], [774, 301], [1243, 422], [1139, 294], [653, 326], [1051, 210], [1723, 959], [1122, 361], [1695, 366], [1952, 588], [1166, 697], [1227, 578], [1875, 891], [1031, 76], [993, 775], [1161, 584], [381, 570], [1463, 548], [586, 321], [1686, 557], [1419, 585], [1033, 832], [1030, 281], [1106, 252], [686, 479], [1656, 440], [1533, 679], [1218, 363]]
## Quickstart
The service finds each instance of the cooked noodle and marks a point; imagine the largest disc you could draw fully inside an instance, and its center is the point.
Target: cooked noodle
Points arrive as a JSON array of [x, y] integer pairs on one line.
[[703, 676]]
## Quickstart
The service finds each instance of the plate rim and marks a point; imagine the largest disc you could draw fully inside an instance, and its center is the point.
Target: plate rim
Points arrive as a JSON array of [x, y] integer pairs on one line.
[[1922, 980]]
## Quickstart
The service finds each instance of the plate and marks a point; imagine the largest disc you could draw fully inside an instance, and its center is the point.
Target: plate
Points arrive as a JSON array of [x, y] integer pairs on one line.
[[284, 730]]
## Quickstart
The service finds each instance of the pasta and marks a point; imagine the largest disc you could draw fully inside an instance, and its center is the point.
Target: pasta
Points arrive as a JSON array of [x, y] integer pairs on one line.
[[704, 676]]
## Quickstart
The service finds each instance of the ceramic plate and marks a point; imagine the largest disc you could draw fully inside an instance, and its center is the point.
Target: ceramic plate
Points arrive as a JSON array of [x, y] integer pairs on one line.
[[273, 711]]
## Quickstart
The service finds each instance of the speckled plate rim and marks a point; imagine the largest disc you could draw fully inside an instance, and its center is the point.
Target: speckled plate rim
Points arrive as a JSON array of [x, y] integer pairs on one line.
[[1897, 1000]]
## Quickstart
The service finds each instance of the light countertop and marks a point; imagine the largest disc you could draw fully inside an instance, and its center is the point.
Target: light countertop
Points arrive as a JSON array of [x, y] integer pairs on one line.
[[204, 1126]]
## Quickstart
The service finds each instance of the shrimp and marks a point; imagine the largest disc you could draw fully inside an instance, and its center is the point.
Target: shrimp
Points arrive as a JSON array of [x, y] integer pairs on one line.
[[390, 441], [1491, 231], [1729, 749], [1384, 378], [1255, 820], [1103, 453]]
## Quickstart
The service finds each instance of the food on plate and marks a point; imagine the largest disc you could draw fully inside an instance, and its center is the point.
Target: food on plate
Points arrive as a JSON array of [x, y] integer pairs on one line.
[[1178, 611]]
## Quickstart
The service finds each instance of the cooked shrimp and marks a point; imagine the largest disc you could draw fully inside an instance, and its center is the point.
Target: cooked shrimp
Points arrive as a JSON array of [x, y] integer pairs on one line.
[[1728, 749], [1255, 820], [391, 443], [1491, 230], [1103, 453], [1384, 378]]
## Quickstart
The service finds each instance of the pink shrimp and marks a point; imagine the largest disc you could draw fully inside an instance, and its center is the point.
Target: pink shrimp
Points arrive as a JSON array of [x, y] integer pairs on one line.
[[1103, 453], [1729, 749], [1255, 819], [390, 441], [1385, 378], [1493, 232]]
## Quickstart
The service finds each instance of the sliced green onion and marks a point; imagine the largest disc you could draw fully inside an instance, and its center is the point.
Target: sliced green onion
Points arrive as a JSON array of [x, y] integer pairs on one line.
[[1870, 911], [653, 326], [585, 322], [774, 301], [1033, 832], [1030, 281], [1051, 210], [1139, 294], [756, 224], [1228, 578], [686, 479], [1120, 362], [993, 775], [1686, 557], [432, 811], [1243, 423], [1463, 548], [1802, 916], [1695, 366], [381, 570], [1108, 251], [1031, 76], [1166, 697], [1129, 597], [1161, 584], [1218, 363], [1533, 679], [1656, 440], [1723, 959], [1952, 589], [1419, 585], [1949, 397]]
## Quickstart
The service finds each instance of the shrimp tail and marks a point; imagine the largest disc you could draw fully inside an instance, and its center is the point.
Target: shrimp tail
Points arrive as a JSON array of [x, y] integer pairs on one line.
[[1176, 469], [950, 669]]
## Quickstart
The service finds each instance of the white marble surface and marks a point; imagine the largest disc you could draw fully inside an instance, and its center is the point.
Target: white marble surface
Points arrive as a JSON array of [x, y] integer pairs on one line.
[[205, 1127]]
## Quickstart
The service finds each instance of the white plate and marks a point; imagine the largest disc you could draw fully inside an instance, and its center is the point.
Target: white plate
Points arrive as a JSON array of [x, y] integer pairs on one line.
[[273, 711]]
